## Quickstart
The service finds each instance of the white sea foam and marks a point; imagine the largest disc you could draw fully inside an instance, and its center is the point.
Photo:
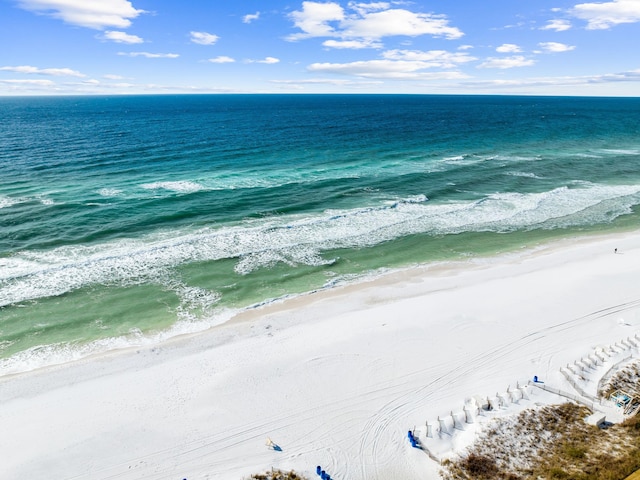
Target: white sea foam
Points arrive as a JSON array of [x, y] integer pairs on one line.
[[60, 353], [621, 151], [183, 186], [4, 344], [468, 159], [194, 302], [297, 255], [586, 155], [522, 174], [297, 240], [415, 199], [8, 201], [109, 192]]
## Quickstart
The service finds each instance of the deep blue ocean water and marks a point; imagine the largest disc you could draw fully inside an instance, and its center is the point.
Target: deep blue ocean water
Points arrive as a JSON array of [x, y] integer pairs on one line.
[[126, 220]]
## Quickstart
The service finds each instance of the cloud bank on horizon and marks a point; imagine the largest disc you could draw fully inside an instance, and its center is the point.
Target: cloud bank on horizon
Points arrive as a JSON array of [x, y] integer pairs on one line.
[[136, 46]]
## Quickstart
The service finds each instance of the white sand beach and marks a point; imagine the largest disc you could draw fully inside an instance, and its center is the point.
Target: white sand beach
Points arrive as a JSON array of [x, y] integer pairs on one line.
[[335, 379]]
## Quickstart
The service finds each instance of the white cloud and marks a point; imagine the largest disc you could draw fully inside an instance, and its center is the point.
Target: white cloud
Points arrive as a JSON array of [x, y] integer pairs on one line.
[[399, 22], [41, 83], [513, 25], [390, 69], [465, 47], [601, 16], [364, 8], [400, 64], [351, 44], [113, 77], [57, 72], [267, 60], [508, 48], [557, 25], [368, 22], [506, 62], [251, 17], [204, 38], [221, 59], [555, 47], [98, 14], [314, 19], [327, 81], [629, 76], [121, 37], [299, 84], [149, 55], [429, 59]]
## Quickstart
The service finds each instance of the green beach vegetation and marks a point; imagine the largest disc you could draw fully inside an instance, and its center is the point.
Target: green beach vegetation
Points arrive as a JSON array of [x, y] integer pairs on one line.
[[554, 442], [278, 475]]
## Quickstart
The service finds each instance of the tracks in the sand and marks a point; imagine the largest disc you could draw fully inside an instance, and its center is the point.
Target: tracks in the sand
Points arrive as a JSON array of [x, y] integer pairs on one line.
[[387, 423], [368, 446]]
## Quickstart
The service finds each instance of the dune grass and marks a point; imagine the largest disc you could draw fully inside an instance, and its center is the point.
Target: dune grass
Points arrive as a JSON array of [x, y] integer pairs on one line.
[[552, 442], [277, 475]]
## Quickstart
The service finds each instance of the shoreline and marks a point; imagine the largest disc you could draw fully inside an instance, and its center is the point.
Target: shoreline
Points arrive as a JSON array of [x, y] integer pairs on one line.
[[335, 377], [415, 273], [380, 280]]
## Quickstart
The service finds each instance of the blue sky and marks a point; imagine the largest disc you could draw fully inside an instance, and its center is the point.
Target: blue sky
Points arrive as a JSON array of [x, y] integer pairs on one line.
[[537, 47]]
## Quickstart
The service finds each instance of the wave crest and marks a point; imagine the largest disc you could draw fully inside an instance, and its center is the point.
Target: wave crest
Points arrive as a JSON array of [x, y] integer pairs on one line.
[[183, 186], [295, 240]]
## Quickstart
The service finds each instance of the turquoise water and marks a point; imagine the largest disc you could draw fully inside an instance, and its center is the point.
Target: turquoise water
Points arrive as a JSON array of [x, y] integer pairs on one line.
[[126, 220]]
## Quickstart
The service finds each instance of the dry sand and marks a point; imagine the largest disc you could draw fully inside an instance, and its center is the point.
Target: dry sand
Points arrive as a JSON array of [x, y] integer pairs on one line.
[[335, 378]]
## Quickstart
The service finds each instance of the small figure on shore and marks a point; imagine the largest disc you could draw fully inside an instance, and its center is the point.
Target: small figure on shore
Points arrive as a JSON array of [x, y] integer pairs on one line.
[[615, 250]]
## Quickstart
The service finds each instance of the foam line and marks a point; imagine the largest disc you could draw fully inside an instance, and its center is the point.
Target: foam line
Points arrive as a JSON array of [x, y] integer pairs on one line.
[[298, 239]]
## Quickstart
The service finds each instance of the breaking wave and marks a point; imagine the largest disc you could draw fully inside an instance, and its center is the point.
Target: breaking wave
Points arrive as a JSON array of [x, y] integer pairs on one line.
[[296, 240]]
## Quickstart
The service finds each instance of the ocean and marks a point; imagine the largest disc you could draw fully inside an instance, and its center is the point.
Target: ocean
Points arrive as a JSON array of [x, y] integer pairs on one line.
[[127, 220]]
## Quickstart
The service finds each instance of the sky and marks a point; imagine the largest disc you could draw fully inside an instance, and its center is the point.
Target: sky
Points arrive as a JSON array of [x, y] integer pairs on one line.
[[530, 47]]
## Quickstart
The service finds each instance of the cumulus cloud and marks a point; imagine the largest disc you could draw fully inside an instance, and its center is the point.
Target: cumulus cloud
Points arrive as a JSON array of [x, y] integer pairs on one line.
[[508, 48], [314, 20], [56, 72], [555, 47], [149, 55], [507, 62], [400, 22], [204, 38], [601, 16], [367, 22], [364, 8], [557, 25], [121, 37], [113, 77], [97, 14], [221, 59], [251, 17]]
